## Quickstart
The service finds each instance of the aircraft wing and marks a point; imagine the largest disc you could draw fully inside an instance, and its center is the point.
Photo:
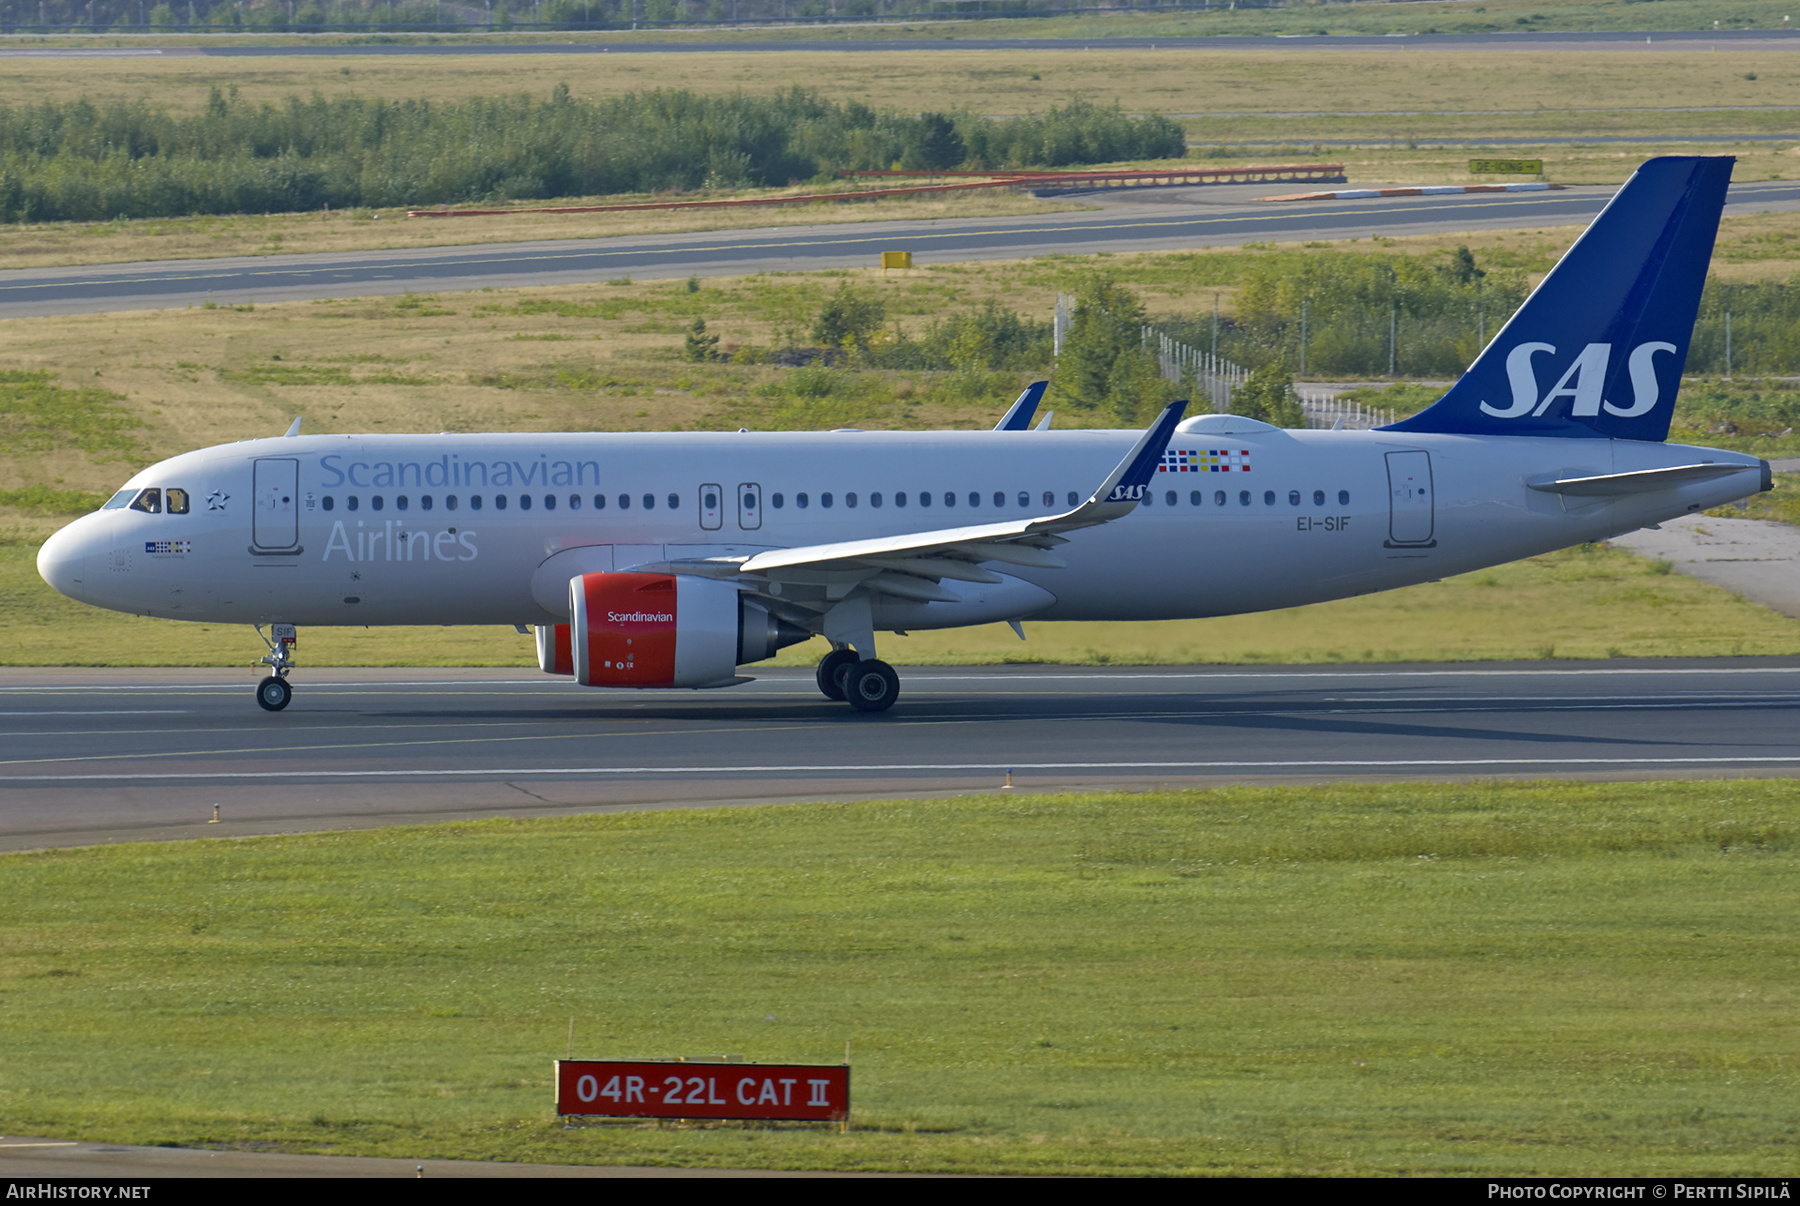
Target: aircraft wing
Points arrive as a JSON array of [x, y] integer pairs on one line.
[[954, 552]]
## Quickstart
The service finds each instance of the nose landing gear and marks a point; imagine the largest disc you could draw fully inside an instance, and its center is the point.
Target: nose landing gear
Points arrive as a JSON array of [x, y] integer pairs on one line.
[[274, 692]]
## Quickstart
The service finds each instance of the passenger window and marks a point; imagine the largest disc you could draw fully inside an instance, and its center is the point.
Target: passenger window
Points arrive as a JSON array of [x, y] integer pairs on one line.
[[649, 502], [949, 499], [1318, 498], [825, 499], [1268, 498], [148, 501], [850, 499], [353, 502], [449, 502], [624, 502], [327, 502], [1218, 498], [974, 499], [674, 502], [176, 501], [800, 500], [1243, 498], [1194, 498], [499, 502], [1049, 499], [549, 502], [1149, 499], [474, 503], [574, 502], [1343, 498], [599, 502], [425, 502], [524, 502], [1024, 499], [875, 499], [776, 501], [900, 498], [376, 503], [924, 498], [1293, 498], [1074, 498], [400, 502], [1169, 497], [999, 499]]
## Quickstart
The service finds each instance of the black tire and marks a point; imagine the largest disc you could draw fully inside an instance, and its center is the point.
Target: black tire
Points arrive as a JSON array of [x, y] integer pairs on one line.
[[832, 668], [273, 693], [871, 686]]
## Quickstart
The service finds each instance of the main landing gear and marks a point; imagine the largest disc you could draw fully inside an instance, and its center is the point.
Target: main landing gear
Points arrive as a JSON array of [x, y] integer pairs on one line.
[[868, 685], [274, 692]]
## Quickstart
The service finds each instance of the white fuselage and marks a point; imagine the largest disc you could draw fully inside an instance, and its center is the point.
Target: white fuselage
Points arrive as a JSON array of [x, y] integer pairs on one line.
[[410, 529]]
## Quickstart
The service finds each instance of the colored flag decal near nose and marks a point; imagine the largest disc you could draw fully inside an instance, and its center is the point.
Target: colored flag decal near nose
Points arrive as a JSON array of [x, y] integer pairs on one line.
[[1598, 348]]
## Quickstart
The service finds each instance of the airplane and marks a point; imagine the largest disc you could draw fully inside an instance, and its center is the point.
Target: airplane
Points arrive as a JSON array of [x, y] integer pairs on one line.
[[674, 560]]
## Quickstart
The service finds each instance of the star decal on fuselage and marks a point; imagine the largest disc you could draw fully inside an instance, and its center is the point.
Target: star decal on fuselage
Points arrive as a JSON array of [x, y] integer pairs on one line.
[[216, 500]]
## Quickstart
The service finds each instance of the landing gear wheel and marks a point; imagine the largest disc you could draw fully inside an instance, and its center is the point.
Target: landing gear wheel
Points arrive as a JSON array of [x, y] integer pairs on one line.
[[871, 686], [832, 668], [273, 693]]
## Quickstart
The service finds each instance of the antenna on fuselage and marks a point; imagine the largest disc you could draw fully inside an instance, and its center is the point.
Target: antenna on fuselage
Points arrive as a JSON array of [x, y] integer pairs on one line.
[[294, 428]]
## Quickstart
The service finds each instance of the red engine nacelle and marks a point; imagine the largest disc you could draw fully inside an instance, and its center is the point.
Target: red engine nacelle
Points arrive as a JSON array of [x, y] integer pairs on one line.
[[661, 630]]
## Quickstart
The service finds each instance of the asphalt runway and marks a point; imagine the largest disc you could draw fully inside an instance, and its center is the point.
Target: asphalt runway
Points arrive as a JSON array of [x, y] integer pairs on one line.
[[92, 756], [1131, 220]]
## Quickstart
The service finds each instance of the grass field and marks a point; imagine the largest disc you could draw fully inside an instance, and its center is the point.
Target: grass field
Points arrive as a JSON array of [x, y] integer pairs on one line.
[[1505, 979], [1195, 83]]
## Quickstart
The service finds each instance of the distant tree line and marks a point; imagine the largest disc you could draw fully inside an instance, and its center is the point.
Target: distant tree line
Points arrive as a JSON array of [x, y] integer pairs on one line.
[[353, 15], [77, 161]]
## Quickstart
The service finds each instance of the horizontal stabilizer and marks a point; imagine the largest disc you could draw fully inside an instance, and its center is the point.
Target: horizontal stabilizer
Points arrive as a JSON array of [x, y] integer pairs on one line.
[[1644, 481]]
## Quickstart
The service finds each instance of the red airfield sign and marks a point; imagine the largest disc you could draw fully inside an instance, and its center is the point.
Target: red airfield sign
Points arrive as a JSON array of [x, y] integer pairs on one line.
[[655, 1089]]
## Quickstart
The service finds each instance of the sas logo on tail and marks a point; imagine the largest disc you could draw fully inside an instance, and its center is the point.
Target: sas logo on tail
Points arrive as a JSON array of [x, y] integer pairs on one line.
[[1581, 382]]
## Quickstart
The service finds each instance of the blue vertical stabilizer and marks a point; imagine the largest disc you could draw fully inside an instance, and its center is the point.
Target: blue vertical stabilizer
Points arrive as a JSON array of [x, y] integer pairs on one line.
[[1598, 347]]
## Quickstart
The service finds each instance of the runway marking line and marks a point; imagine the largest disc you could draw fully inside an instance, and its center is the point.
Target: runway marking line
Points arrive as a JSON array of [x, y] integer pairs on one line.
[[806, 768]]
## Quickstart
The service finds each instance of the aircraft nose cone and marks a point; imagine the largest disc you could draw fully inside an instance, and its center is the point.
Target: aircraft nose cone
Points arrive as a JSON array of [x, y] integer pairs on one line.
[[62, 562]]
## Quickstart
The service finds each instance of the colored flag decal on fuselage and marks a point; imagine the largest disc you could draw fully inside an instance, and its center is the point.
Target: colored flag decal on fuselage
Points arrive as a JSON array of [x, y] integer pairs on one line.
[[1211, 460], [168, 546]]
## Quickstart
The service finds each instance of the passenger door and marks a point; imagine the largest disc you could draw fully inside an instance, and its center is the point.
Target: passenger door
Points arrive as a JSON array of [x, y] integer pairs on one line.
[[275, 519], [1410, 511]]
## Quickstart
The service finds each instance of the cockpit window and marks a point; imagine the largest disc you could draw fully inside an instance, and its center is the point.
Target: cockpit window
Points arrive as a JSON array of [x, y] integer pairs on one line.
[[119, 500], [149, 501], [176, 501]]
